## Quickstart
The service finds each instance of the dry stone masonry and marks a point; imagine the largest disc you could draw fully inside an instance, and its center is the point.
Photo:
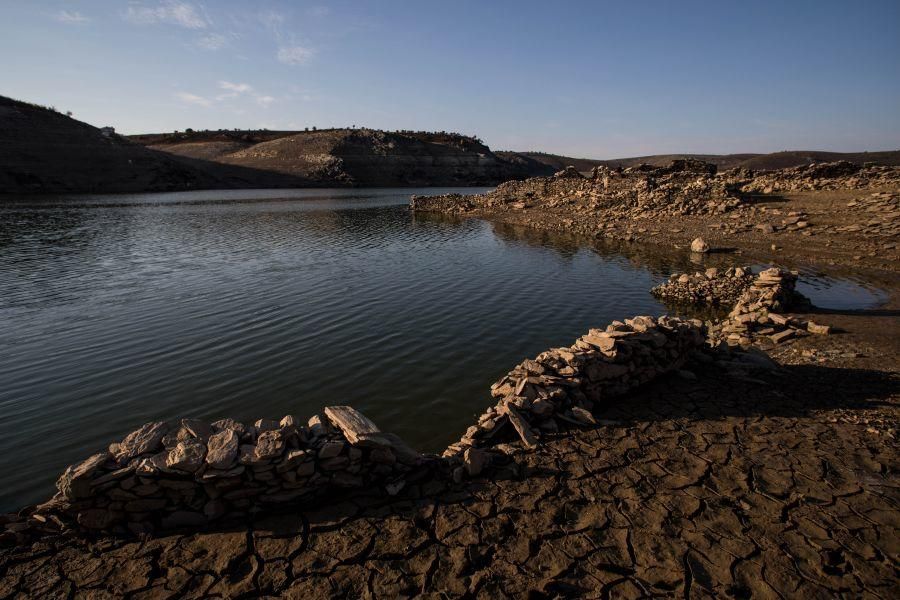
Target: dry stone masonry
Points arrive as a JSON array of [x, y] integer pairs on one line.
[[164, 476], [564, 385], [713, 287]]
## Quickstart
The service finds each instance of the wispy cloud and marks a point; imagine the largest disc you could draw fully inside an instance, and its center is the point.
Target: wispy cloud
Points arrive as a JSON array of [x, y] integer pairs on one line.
[[295, 55], [172, 12], [211, 41], [71, 16], [189, 98], [233, 90], [235, 87]]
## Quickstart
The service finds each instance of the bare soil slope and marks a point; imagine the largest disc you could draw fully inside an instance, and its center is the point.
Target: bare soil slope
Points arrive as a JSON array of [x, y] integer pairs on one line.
[[45, 151], [362, 157]]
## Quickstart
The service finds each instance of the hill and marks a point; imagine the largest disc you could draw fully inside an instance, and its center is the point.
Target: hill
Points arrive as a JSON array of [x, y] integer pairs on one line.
[[363, 157], [757, 162], [42, 150]]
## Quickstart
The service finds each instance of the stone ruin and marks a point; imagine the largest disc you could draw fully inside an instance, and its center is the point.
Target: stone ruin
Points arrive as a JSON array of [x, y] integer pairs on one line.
[[165, 476], [684, 187], [713, 287], [565, 385]]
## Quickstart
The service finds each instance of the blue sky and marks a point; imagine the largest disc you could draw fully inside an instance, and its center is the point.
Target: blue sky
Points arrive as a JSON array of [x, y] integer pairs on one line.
[[595, 79]]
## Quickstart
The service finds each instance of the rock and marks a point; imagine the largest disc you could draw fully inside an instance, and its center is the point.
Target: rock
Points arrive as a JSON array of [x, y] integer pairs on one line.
[[583, 416], [698, 245], [269, 445], [236, 426], [475, 461], [264, 425], [765, 228], [520, 425], [95, 518], [330, 450], [197, 428], [222, 449], [75, 482], [818, 329], [782, 336], [145, 440], [187, 456]]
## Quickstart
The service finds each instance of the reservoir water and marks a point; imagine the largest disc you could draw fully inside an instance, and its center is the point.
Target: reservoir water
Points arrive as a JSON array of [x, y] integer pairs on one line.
[[120, 309]]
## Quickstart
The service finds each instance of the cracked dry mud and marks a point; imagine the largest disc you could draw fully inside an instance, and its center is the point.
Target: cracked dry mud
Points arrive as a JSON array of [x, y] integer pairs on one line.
[[773, 486]]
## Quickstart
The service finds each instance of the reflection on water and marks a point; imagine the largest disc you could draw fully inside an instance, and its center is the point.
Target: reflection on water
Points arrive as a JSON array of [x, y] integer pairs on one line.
[[121, 309]]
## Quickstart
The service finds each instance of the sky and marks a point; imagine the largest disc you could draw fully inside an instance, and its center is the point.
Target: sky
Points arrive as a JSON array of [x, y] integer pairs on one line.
[[589, 79]]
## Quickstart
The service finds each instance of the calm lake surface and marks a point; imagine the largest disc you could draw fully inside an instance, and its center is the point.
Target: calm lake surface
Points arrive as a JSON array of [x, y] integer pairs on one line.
[[117, 310]]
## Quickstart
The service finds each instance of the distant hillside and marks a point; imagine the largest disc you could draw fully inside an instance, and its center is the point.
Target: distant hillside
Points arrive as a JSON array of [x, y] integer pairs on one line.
[[362, 157], [758, 162], [44, 151]]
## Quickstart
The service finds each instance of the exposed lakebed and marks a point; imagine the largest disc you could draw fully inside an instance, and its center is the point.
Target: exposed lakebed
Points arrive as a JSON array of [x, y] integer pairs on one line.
[[121, 309]]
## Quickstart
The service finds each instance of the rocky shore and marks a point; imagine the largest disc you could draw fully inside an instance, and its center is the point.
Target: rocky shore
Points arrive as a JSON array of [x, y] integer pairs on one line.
[[828, 214]]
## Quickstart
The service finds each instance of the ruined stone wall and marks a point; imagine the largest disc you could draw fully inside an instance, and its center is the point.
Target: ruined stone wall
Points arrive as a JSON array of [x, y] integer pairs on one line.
[[192, 473], [685, 187], [565, 385], [713, 287]]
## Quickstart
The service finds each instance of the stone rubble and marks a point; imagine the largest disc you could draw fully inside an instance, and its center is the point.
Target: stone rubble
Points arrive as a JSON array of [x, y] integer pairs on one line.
[[564, 385], [821, 176], [758, 316], [189, 474], [712, 287], [685, 187]]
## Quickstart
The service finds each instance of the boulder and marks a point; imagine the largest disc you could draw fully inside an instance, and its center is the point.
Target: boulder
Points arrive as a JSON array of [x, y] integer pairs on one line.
[[699, 245]]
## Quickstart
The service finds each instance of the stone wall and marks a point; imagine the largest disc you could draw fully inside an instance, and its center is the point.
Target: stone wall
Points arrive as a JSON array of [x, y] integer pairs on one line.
[[713, 287], [188, 474], [565, 385]]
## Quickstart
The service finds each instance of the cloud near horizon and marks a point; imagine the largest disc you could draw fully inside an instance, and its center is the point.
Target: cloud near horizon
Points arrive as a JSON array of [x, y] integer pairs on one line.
[[171, 12]]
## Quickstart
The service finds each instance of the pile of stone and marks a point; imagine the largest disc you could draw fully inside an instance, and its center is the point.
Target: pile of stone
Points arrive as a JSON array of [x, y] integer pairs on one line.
[[758, 316], [685, 187], [713, 287], [164, 476], [564, 385], [841, 175], [646, 192], [878, 216]]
